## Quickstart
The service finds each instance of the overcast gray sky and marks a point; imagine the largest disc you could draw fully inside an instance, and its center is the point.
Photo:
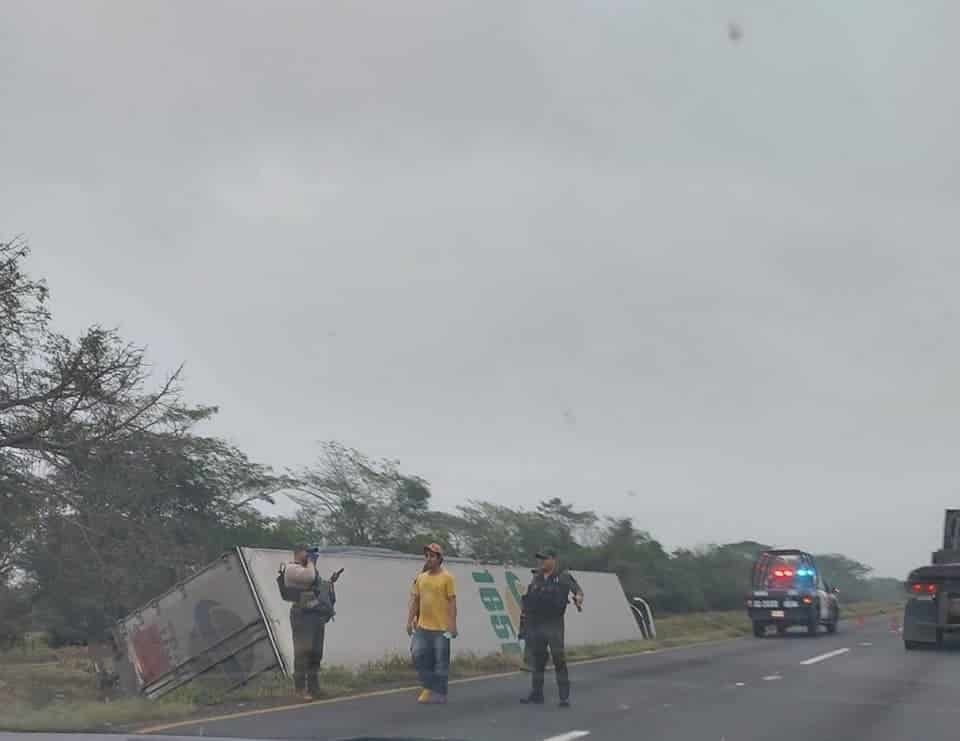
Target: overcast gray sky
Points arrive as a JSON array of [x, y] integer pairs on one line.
[[528, 248]]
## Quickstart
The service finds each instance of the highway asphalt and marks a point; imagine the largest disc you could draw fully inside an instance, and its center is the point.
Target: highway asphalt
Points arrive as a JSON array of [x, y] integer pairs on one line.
[[856, 684]]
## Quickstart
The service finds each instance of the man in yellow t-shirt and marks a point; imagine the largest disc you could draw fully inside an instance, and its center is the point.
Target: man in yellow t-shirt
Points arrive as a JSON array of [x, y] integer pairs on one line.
[[432, 621]]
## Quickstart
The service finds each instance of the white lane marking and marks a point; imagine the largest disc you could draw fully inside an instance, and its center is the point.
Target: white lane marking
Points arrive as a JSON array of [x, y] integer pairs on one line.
[[568, 736], [772, 678], [866, 643], [741, 684], [824, 657]]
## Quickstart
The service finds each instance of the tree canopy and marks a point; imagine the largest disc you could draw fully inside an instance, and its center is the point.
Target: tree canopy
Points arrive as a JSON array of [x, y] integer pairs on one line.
[[109, 494]]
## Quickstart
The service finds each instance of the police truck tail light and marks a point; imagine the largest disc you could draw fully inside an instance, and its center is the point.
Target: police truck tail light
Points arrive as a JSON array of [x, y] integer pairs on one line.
[[920, 588], [808, 600]]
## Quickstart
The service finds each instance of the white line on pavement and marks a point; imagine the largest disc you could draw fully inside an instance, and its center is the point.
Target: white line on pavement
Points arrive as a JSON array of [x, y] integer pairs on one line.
[[772, 678], [824, 657], [568, 736]]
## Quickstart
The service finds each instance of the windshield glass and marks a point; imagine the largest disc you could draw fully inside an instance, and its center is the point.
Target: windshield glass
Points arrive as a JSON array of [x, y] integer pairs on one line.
[[368, 367], [780, 571]]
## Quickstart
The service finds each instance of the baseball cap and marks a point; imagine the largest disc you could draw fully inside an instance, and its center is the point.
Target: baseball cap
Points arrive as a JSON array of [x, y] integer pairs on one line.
[[547, 553], [434, 548]]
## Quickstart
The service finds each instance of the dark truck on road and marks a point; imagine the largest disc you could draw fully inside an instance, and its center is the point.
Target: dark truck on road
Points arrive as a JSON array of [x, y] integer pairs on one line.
[[933, 592], [788, 589]]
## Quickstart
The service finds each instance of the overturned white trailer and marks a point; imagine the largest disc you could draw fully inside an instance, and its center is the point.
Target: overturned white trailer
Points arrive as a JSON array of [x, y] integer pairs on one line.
[[229, 623]]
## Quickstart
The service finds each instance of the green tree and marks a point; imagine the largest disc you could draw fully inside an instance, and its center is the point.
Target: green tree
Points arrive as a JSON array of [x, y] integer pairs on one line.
[[722, 572], [152, 509], [563, 525], [15, 611], [638, 560], [850, 575], [885, 589], [492, 533], [499, 534], [19, 494], [286, 532], [60, 397], [438, 527], [362, 502]]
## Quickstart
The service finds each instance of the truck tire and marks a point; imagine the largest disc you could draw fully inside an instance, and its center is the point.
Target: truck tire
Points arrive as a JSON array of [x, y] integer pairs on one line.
[[832, 625], [813, 622], [759, 629]]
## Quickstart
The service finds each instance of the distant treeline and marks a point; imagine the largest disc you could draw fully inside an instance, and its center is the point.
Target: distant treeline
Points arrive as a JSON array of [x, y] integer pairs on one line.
[[109, 495]]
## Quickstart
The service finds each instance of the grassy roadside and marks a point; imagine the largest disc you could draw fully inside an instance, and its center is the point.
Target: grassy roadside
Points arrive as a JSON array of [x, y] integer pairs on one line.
[[55, 690]]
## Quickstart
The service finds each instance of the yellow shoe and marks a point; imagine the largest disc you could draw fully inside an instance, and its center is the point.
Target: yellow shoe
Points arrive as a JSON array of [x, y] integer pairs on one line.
[[424, 697]]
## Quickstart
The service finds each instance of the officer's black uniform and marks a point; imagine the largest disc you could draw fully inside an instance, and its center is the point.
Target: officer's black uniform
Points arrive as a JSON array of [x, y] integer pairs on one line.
[[544, 606]]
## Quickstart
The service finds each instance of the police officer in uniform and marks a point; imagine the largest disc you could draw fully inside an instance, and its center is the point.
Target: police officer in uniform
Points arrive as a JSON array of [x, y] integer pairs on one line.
[[544, 605]]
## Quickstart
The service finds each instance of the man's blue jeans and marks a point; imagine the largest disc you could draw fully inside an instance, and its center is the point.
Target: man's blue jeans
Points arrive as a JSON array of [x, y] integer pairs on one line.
[[431, 657]]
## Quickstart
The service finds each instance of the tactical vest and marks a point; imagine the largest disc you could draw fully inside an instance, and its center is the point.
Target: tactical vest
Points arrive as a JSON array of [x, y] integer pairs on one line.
[[547, 597]]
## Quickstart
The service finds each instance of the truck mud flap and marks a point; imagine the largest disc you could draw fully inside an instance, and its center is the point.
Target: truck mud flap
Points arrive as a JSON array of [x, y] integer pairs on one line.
[[920, 621]]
